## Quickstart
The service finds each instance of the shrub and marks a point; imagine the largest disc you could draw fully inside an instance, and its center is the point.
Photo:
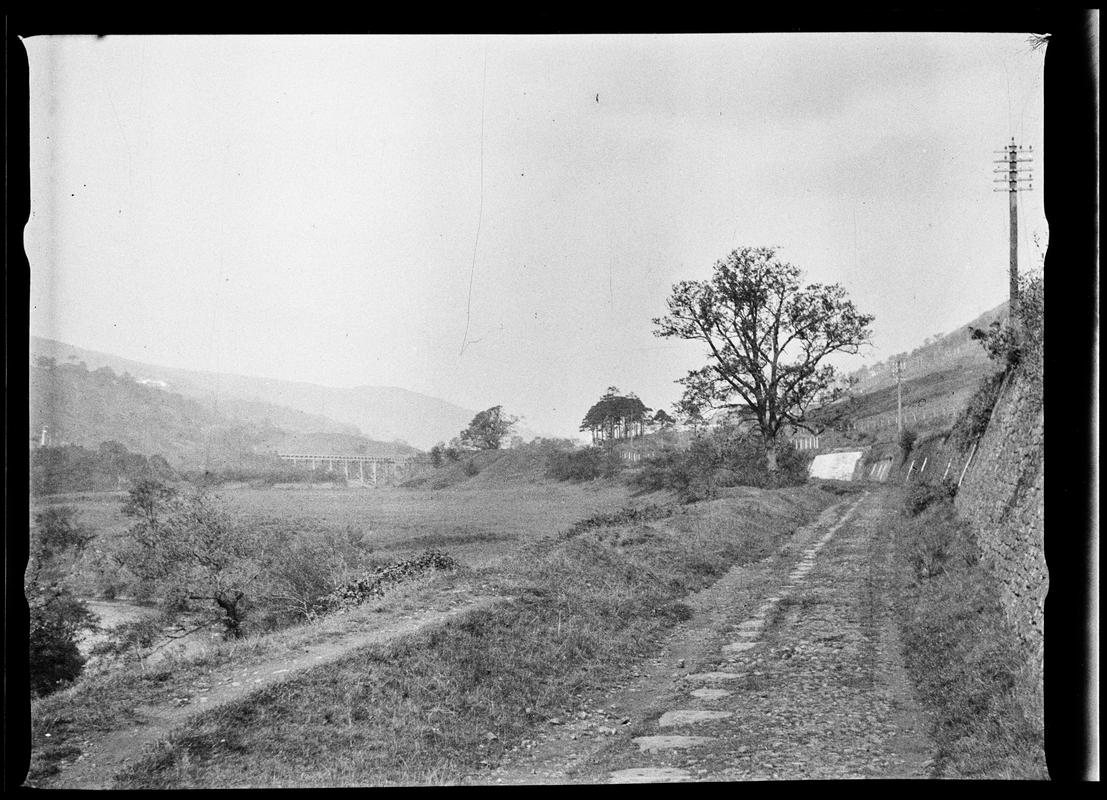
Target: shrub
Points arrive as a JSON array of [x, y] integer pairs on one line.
[[921, 496], [974, 417], [690, 474], [56, 617], [933, 537], [718, 459], [307, 570], [471, 468], [1001, 342], [372, 583], [907, 439], [585, 464], [188, 546]]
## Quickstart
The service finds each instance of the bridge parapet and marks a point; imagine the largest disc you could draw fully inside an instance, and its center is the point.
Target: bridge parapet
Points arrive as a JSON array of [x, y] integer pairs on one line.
[[378, 466]]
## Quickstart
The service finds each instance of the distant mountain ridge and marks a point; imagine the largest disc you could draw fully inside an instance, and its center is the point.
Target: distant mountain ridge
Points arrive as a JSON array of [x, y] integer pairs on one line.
[[72, 405], [380, 413]]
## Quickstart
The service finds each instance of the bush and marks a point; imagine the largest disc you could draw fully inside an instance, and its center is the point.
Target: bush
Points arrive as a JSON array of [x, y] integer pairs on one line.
[[717, 459], [973, 419], [306, 571], [691, 474], [586, 464], [373, 583], [188, 546], [1001, 342], [932, 538], [56, 622], [907, 439], [921, 496], [57, 618]]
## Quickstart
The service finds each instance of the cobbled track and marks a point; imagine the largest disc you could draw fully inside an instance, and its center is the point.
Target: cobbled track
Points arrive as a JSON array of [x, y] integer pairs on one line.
[[797, 674]]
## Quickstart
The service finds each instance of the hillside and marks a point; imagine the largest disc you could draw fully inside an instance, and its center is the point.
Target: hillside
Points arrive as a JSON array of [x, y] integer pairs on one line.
[[382, 413], [938, 379], [86, 407], [955, 350]]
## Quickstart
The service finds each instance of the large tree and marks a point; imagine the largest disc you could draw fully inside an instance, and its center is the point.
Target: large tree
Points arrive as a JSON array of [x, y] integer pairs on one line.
[[488, 429], [615, 416], [767, 338]]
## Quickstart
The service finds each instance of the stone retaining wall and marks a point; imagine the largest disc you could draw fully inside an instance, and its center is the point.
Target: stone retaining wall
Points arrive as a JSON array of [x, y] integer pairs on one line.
[[1002, 497]]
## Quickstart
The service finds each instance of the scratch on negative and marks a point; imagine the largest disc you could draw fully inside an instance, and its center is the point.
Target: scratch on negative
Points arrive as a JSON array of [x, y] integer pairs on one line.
[[480, 212]]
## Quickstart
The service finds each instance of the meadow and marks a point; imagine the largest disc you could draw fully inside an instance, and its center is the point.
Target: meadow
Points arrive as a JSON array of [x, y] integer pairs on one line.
[[478, 526]]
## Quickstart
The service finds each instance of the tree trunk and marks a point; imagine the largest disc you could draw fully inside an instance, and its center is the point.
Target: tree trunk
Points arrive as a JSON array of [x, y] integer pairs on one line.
[[770, 455], [232, 620]]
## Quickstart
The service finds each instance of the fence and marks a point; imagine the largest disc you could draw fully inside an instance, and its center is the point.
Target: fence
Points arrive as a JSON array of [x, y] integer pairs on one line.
[[945, 412]]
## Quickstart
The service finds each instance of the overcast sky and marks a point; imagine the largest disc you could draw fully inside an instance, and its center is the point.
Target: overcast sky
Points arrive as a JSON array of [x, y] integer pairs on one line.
[[496, 220]]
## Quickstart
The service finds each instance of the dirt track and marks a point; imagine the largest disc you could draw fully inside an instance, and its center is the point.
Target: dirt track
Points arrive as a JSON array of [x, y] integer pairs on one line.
[[790, 669], [104, 758]]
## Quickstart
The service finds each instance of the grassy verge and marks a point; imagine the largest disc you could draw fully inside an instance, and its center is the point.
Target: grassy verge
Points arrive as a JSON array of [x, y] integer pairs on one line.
[[110, 700], [445, 704], [961, 652]]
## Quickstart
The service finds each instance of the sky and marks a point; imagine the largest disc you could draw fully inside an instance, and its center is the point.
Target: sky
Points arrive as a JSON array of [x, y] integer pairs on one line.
[[496, 220]]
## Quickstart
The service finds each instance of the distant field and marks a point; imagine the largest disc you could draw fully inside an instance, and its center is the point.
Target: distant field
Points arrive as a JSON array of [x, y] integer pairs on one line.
[[477, 525]]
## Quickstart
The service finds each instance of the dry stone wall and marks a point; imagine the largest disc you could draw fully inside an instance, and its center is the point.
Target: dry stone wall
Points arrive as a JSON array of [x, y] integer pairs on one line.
[[1002, 496]]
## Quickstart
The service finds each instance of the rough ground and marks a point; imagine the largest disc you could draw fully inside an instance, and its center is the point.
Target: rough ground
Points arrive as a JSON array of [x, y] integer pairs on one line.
[[108, 755], [790, 669]]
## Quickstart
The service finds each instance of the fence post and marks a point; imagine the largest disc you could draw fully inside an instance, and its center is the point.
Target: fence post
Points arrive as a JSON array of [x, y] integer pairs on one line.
[[909, 471], [966, 467]]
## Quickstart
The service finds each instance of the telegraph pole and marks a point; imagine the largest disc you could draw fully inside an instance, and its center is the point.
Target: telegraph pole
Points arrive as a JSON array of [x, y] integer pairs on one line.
[[1014, 155], [899, 397]]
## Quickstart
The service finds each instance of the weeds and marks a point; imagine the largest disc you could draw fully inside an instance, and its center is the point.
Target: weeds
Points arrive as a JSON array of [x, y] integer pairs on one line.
[[586, 464], [921, 496], [961, 652], [624, 516], [974, 417], [449, 702]]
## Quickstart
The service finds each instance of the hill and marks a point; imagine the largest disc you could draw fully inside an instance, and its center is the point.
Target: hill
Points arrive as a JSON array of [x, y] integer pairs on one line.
[[938, 378], [78, 406], [953, 351], [382, 413]]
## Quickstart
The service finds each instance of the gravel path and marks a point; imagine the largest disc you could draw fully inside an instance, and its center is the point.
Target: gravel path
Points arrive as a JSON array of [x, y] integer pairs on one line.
[[790, 670]]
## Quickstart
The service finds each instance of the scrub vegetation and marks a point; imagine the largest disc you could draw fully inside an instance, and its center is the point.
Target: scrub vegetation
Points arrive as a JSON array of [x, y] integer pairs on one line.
[[447, 702], [962, 654]]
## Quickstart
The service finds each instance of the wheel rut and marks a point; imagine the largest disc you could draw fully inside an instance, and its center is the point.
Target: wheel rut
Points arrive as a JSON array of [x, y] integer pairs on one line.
[[104, 758], [790, 669]]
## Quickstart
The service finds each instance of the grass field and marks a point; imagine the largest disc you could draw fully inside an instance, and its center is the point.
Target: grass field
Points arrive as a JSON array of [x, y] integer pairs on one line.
[[583, 606], [478, 526], [447, 703]]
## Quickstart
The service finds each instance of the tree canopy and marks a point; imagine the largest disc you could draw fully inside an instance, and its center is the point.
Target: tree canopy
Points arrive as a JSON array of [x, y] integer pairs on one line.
[[487, 429], [767, 338], [615, 416], [663, 419]]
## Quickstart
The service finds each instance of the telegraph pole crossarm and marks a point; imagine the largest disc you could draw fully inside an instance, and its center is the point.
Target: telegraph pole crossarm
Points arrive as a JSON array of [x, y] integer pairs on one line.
[[1015, 155]]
